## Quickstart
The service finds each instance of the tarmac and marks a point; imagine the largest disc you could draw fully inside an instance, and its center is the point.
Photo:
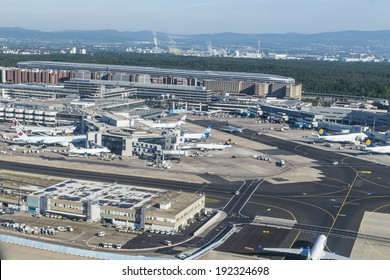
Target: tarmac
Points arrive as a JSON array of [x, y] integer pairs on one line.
[[337, 201], [375, 224]]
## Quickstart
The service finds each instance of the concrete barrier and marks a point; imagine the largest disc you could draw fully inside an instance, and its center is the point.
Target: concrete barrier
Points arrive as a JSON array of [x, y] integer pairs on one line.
[[213, 245], [210, 224], [70, 250]]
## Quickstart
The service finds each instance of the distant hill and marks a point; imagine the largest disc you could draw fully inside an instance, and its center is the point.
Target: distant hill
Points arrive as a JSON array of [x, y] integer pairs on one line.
[[379, 40]]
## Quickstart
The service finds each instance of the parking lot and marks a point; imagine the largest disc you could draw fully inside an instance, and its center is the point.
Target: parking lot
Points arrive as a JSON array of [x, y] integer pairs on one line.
[[78, 233]]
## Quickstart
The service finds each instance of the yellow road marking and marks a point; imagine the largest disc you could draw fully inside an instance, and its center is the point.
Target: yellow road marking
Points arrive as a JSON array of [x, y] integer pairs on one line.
[[342, 205], [269, 205], [301, 202], [376, 184]]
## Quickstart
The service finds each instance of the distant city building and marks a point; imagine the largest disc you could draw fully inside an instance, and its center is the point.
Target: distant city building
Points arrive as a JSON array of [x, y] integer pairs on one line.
[[277, 56]]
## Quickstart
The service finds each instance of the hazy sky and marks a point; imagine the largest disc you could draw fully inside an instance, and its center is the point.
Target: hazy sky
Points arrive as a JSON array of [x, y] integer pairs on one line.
[[198, 16]]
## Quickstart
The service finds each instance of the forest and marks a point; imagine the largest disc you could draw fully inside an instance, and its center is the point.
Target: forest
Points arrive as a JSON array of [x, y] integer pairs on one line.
[[360, 79]]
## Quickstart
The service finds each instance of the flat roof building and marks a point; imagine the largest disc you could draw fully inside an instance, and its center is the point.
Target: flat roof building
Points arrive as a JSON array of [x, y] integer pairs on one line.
[[214, 81], [146, 208], [35, 91], [154, 71], [96, 88]]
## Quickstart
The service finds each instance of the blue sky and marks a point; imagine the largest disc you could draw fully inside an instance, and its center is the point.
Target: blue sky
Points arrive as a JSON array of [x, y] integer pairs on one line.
[[198, 16]]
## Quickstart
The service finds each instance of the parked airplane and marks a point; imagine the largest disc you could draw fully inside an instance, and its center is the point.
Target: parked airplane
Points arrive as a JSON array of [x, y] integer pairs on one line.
[[91, 151], [317, 252], [198, 112], [232, 129], [46, 140], [211, 146], [354, 138], [197, 136], [171, 125], [372, 148], [37, 129]]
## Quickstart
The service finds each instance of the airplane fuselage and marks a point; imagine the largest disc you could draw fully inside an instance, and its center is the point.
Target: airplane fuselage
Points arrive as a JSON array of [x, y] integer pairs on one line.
[[212, 146], [193, 136], [378, 149], [93, 151], [318, 248], [347, 138]]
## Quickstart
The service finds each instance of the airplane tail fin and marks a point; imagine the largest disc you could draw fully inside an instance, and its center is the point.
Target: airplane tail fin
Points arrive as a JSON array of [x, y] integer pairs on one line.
[[207, 132], [308, 254], [182, 120], [228, 142], [322, 132], [20, 133], [369, 143], [71, 147], [15, 122]]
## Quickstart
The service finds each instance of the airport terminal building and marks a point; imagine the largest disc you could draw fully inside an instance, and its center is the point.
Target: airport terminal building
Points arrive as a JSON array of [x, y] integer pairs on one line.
[[216, 82]]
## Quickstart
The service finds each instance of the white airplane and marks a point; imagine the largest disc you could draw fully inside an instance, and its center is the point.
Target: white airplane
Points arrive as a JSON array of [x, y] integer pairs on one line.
[[317, 252], [37, 129], [197, 136], [354, 138], [232, 129], [198, 112], [47, 140], [213, 112], [170, 125], [371, 148], [211, 146], [91, 151]]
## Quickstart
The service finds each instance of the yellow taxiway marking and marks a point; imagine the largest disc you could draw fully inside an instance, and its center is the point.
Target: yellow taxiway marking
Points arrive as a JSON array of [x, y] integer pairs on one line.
[[345, 200], [376, 184], [295, 239], [301, 202], [367, 197], [269, 205]]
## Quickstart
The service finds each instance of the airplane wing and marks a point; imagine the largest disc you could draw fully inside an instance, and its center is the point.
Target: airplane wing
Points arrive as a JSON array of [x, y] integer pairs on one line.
[[332, 256], [292, 251], [305, 253]]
